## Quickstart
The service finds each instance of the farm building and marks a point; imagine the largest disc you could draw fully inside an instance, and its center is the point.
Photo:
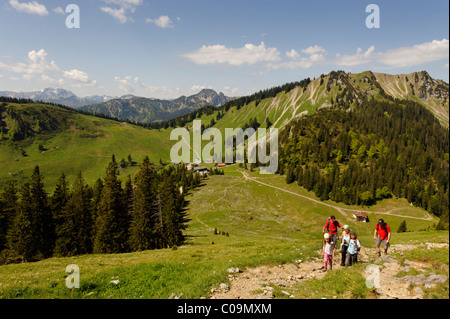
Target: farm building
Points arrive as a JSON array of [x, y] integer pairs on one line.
[[361, 217]]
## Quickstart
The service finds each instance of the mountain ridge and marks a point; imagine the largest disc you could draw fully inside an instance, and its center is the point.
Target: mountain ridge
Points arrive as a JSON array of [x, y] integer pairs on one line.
[[340, 90], [146, 110]]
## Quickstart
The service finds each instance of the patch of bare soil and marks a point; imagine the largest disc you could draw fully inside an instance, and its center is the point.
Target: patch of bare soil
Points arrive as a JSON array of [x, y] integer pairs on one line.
[[258, 282]]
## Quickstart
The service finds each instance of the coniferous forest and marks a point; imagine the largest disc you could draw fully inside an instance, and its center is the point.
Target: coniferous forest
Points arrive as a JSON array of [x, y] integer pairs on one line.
[[375, 151], [144, 213]]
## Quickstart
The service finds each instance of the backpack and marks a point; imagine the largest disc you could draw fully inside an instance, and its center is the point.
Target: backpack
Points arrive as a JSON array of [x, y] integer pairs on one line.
[[335, 223], [378, 227]]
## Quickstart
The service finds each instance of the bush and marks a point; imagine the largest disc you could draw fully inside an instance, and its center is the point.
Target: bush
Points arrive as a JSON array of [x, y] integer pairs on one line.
[[402, 228]]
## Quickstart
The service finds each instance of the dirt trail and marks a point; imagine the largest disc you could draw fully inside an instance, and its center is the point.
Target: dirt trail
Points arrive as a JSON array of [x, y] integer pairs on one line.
[[339, 209], [257, 283]]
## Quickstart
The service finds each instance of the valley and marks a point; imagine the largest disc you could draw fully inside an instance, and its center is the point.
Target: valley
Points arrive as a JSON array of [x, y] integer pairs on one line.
[[267, 227], [256, 223]]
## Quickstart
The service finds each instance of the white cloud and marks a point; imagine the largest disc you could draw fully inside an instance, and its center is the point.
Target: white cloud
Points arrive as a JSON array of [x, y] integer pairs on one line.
[[51, 80], [162, 22], [316, 55], [124, 7], [79, 76], [125, 3], [59, 10], [399, 57], [36, 64], [418, 54], [356, 59], [32, 7], [219, 54], [124, 84], [197, 88], [129, 84], [118, 14], [37, 67], [228, 91], [312, 50], [292, 54]]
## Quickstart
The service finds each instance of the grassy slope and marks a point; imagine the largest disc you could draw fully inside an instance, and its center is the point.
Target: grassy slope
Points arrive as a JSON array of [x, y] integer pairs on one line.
[[399, 86], [266, 226], [89, 143], [286, 106], [85, 144]]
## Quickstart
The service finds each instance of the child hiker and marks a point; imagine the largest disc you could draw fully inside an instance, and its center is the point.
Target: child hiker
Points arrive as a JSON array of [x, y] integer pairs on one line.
[[354, 246], [344, 245], [327, 251]]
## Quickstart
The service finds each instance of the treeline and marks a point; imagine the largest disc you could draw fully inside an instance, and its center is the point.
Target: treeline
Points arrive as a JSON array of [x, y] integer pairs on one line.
[[145, 213], [380, 149]]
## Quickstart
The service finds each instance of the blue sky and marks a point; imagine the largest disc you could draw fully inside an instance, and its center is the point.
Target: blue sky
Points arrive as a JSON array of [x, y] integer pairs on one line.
[[169, 48]]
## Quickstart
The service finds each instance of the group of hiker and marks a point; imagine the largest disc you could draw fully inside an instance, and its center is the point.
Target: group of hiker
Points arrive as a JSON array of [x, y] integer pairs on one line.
[[350, 245]]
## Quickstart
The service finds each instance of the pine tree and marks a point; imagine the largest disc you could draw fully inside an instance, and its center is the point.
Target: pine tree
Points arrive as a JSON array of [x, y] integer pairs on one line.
[[58, 203], [110, 234], [43, 227], [170, 214], [142, 228], [8, 205], [21, 235], [96, 197], [82, 210], [66, 231], [402, 227]]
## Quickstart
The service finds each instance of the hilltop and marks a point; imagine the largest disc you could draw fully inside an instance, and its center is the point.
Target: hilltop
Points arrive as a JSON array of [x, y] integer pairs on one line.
[[63, 140], [339, 90]]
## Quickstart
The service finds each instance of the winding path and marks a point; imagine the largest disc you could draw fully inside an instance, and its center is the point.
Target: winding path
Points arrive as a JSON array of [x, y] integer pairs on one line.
[[339, 209]]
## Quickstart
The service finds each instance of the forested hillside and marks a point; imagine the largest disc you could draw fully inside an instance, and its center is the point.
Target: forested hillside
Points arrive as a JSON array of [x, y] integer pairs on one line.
[[378, 150], [111, 216]]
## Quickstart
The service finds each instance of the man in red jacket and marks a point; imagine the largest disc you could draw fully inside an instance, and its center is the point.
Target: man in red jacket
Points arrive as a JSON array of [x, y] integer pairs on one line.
[[382, 234], [331, 227]]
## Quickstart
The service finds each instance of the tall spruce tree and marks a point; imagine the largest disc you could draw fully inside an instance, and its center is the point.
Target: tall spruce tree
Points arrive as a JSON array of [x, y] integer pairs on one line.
[[21, 235], [80, 202], [58, 203], [142, 228], [43, 227], [8, 203], [96, 197], [170, 213], [111, 236]]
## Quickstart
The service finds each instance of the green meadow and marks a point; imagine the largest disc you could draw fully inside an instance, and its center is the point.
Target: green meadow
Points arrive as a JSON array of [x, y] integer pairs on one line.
[[265, 226], [80, 144]]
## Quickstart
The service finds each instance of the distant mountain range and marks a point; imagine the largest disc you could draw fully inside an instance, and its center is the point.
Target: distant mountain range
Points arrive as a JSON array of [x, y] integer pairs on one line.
[[58, 96], [145, 110], [129, 107]]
